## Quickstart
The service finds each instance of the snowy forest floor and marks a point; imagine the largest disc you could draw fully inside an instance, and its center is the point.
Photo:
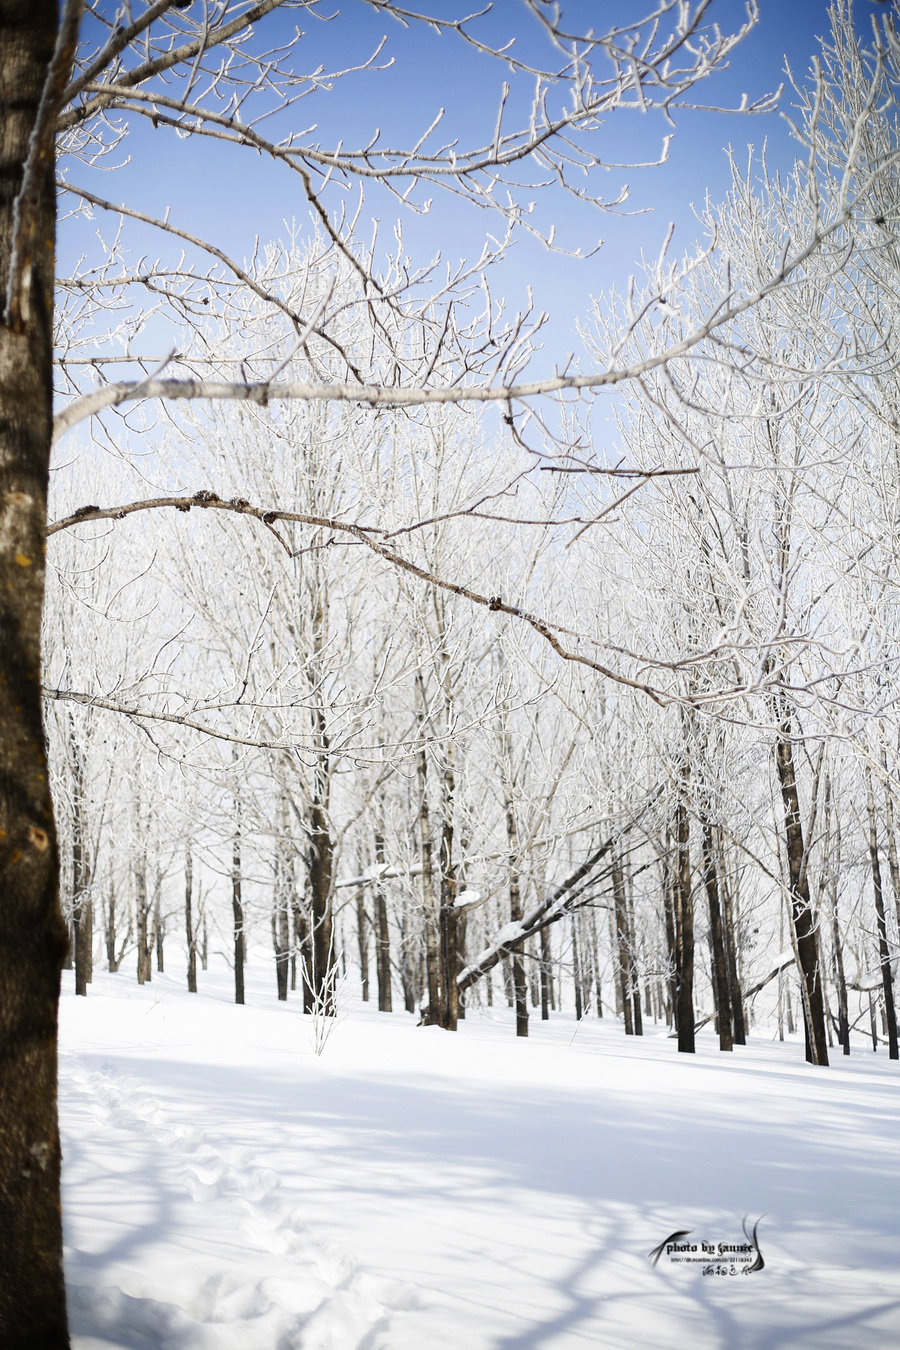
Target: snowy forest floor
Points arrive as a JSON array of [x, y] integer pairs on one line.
[[226, 1188]]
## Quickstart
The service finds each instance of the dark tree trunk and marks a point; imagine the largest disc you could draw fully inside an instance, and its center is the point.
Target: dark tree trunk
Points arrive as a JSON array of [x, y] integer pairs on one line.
[[843, 1027], [281, 900], [831, 868], [637, 1016], [684, 932], [731, 964], [669, 885], [546, 974], [623, 945], [382, 936], [596, 965], [802, 917], [82, 914], [111, 927], [362, 938], [320, 865], [237, 911], [517, 965], [446, 1014], [893, 861], [576, 970], [159, 932], [410, 959], [303, 947], [189, 923], [431, 1011], [887, 984], [33, 935], [281, 942], [142, 918], [716, 939]]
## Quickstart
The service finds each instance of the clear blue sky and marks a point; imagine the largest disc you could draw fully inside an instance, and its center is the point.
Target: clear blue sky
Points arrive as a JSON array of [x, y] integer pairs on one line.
[[234, 198]]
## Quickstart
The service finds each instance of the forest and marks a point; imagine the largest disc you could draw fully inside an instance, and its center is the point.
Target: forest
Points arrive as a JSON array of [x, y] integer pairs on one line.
[[656, 778], [389, 652]]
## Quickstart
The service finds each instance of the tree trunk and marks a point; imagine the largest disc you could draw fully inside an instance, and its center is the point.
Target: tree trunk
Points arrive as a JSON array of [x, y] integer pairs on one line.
[[189, 923], [281, 942], [517, 965], [82, 925], [382, 936], [281, 900], [362, 938], [546, 974], [729, 905], [33, 935], [111, 925], [303, 946], [716, 939], [142, 915], [576, 970], [684, 932], [237, 910], [668, 895], [887, 984], [623, 944], [320, 862], [159, 931], [595, 964], [448, 915], [637, 1016], [802, 918], [429, 904], [831, 867]]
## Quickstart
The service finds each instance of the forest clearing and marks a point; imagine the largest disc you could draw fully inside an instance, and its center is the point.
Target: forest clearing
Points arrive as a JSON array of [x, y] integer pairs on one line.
[[229, 1189]]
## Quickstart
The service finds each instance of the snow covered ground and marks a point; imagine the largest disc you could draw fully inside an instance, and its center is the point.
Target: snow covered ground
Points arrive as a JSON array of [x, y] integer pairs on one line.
[[226, 1188]]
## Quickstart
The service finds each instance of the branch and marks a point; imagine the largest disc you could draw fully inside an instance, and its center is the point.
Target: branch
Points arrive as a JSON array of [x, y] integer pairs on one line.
[[364, 534], [123, 35], [550, 910], [264, 392], [148, 69]]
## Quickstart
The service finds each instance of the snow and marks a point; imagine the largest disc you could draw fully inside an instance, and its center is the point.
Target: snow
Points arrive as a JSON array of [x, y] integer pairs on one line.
[[226, 1188], [466, 898]]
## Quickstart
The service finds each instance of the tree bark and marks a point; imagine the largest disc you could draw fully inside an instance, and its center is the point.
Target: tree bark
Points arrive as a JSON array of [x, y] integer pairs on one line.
[[716, 939], [362, 938], [623, 944], [159, 929], [237, 909], [382, 937], [281, 900], [729, 906], [887, 984], [320, 864], [142, 915], [33, 935], [189, 923], [429, 904], [802, 917], [684, 932], [517, 965], [546, 974], [82, 925]]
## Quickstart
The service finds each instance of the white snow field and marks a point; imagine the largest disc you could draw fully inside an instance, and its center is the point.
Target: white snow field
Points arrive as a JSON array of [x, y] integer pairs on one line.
[[227, 1189]]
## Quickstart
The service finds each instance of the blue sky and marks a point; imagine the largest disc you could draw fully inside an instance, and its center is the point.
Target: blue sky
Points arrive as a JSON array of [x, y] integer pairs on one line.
[[233, 198]]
